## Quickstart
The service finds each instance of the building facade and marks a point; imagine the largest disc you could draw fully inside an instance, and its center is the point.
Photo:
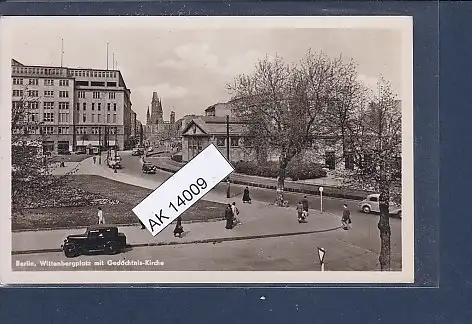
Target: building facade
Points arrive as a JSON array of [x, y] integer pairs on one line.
[[78, 109]]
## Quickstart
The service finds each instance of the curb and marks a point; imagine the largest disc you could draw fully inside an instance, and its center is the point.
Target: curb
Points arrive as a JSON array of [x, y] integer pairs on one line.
[[211, 240], [314, 192], [117, 225]]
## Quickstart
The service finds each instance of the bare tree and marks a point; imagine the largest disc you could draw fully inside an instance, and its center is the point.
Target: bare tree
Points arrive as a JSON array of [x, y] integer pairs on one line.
[[375, 138], [32, 178], [286, 105]]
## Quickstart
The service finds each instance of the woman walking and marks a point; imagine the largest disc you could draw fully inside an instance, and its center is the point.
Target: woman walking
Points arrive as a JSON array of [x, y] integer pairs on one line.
[[179, 229], [246, 198], [229, 217]]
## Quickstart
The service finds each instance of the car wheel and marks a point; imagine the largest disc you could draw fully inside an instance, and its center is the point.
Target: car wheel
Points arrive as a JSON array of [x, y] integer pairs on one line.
[[71, 250], [366, 209], [111, 248]]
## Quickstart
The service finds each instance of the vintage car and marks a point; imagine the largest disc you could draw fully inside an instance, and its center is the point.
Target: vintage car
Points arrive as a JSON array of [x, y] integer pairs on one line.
[[137, 151], [149, 168], [371, 204], [114, 163], [97, 238]]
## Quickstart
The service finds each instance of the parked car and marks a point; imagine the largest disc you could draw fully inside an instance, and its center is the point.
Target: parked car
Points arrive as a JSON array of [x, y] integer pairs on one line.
[[114, 163], [371, 204], [97, 238], [63, 152], [150, 149], [137, 151], [149, 168]]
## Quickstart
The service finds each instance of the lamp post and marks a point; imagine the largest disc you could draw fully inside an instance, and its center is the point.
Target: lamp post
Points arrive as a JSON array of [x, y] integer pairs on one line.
[[116, 145], [100, 145], [228, 189]]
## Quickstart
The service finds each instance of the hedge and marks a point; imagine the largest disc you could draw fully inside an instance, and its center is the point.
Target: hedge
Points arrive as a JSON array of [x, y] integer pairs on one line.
[[296, 170]]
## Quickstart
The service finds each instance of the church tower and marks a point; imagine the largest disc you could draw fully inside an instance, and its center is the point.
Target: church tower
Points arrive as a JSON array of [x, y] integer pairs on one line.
[[156, 109], [148, 117]]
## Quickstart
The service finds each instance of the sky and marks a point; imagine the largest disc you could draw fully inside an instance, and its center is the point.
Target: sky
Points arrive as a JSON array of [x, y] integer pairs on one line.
[[189, 68]]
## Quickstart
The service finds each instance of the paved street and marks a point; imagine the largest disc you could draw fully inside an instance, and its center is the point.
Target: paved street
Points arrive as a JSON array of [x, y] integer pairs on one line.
[[279, 253], [356, 249]]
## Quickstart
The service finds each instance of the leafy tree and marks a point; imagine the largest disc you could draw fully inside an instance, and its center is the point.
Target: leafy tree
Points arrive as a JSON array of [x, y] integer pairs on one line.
[[286, 105], [375, 135]]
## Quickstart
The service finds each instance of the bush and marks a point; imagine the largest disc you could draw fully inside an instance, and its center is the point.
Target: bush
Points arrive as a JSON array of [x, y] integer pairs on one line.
[[176, 157], [297, 169]]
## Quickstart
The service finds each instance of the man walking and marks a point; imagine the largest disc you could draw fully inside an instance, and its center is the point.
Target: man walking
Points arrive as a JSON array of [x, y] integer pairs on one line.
[[346, 220], [101, 220], [235, 213]]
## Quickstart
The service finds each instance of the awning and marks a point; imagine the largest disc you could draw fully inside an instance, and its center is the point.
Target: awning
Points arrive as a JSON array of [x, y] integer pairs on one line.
[[94, 143]]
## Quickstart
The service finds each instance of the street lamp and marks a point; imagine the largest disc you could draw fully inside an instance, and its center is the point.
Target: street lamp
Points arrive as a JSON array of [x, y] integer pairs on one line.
[[100, 145], [116, 146]]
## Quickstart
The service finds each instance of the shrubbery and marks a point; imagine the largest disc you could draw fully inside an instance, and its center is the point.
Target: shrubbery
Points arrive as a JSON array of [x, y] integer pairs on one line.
[[296, 170]]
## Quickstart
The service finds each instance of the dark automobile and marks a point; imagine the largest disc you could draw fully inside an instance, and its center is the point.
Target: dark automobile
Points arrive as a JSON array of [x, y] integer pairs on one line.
[[149, 168], [97, 238], [63, 152]]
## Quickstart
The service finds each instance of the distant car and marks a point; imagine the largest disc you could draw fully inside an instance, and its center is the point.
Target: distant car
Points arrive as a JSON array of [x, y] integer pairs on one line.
[[114, 163], [97, 238], [137, 151], [63, 152], [80, 152], [149, 168], [47, 153], [150, 149], [371, 204]]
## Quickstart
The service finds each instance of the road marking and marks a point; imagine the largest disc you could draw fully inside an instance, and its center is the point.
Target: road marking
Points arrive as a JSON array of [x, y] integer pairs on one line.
[[183, 189]]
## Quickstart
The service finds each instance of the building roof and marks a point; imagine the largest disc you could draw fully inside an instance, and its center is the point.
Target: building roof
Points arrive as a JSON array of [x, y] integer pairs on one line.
[[217, 125]]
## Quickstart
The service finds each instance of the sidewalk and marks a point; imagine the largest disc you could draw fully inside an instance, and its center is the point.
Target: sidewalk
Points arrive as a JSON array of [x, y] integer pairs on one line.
[[332, 187], [258, 220]]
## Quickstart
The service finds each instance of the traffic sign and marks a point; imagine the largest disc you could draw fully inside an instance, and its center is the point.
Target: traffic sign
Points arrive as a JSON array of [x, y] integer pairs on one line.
[[321, 189], [321, 254], [183, 189]]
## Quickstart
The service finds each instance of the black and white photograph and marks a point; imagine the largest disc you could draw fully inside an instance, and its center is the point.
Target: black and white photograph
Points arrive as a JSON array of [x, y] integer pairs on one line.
[[313, 114]]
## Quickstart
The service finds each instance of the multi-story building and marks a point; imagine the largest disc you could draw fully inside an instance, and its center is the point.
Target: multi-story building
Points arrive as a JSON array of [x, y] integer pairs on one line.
[[76, 108]]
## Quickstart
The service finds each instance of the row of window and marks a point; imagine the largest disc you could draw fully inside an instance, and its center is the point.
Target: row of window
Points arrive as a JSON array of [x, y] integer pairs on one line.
[[35, 82], [35, 93], [95, 94], [94, 130], [109, 118], [38, 70], [99, 106], [221, 141], [46, 105], [94, 74], [65, 130]]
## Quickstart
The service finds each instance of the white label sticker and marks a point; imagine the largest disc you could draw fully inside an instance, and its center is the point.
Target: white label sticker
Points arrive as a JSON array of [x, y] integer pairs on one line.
[[183, 189]]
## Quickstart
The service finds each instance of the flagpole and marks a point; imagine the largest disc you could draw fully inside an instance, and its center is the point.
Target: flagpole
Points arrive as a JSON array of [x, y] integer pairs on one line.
[[62, 50], [107, 56]]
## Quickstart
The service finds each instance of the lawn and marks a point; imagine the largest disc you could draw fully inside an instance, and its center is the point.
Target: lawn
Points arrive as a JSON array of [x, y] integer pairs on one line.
[[77, 203]]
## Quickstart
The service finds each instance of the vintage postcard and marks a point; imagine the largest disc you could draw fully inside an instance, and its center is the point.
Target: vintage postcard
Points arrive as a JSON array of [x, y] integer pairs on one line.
[[283, 145]]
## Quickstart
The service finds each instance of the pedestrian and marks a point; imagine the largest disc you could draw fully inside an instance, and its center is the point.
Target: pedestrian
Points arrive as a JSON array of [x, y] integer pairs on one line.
[[246, 198], [305, 207], [301, 219], [235, 211], [229, 217], [346, 219], [101, 219], [94, 159], [179, 229]]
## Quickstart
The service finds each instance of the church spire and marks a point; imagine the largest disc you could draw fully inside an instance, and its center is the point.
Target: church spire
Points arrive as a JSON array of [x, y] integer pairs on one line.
[[148, 117]]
